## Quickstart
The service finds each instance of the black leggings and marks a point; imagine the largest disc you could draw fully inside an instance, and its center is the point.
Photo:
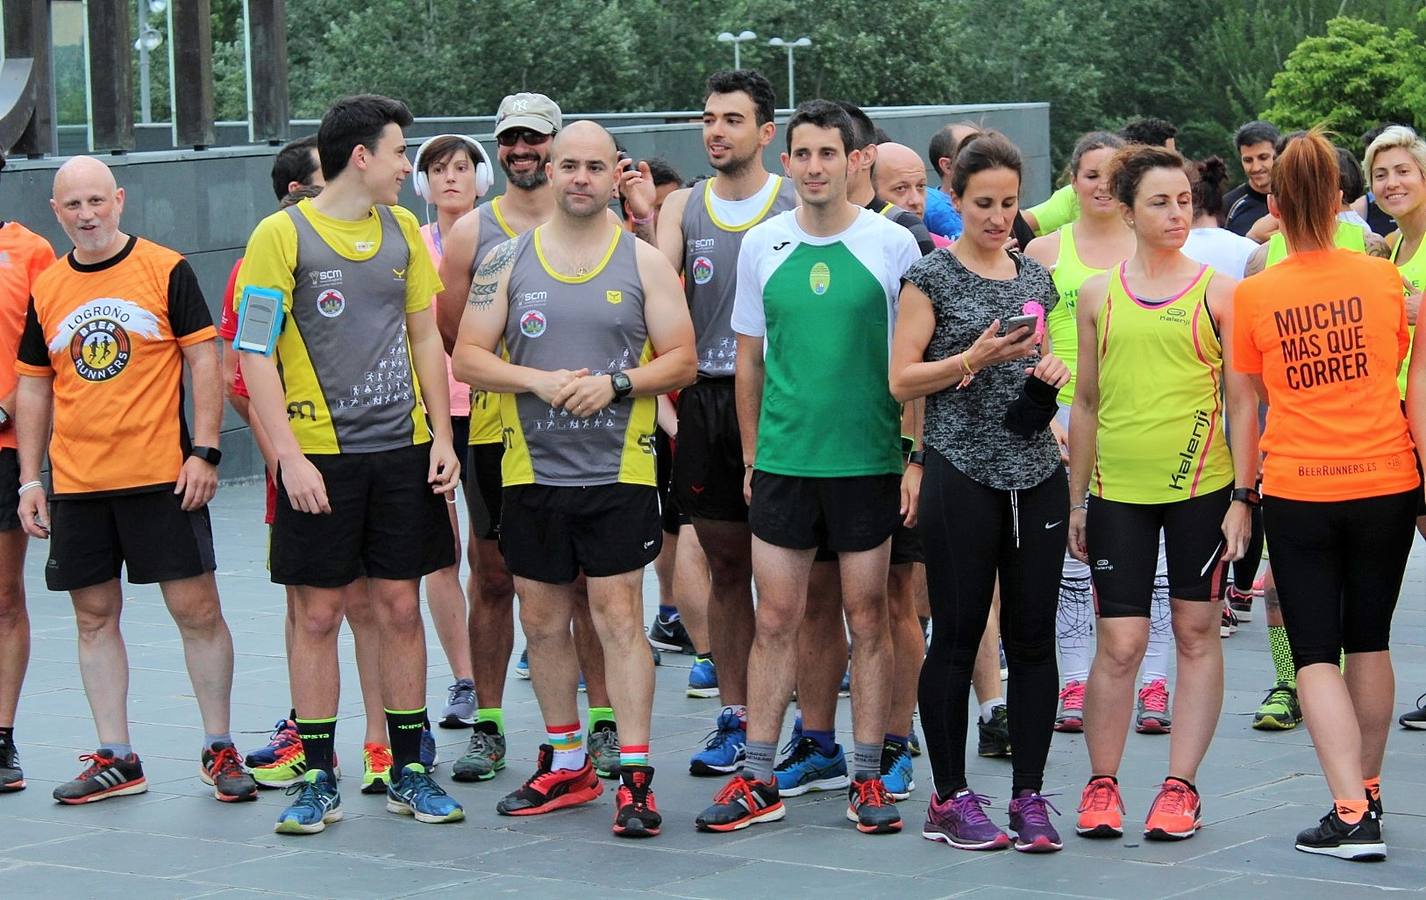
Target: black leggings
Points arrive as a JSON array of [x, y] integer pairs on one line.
[[972, 533], [1338, 568]]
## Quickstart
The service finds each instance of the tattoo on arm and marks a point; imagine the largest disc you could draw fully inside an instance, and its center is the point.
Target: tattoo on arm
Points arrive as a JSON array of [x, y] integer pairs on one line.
[[499, 259], [487, 275]]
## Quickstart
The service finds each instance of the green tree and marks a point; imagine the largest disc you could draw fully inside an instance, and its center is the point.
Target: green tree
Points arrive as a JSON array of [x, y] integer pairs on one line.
[[1356, 75]]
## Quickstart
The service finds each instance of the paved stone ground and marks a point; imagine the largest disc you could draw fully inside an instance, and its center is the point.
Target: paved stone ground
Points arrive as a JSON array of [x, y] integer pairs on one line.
[[176, 841]]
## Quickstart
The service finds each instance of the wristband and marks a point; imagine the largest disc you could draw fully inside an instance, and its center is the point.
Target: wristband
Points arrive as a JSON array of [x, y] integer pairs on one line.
[[1083, 506], [638, 222], [965, 364], [916, 458], [29, 484]]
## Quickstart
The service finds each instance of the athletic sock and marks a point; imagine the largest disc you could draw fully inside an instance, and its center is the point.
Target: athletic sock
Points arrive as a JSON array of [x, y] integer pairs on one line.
[[403, 728], [668, 613], [495, 715], [898, 739], [760, 758], [987, 709], [318, 736], [1191, 786], [703, 654], [599, 714], [866, 761], [1351, 811], [1373, 787], [568, 742], [826, 740], [209, 740], [633, 754], [292, 714], [120, 751], [1282, 655]]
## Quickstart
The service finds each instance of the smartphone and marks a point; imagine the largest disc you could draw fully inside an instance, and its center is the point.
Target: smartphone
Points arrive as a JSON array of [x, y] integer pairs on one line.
[[1015, 322]]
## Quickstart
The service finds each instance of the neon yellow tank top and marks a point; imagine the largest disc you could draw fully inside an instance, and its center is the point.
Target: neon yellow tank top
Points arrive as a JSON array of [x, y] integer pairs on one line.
[[1349, 236], [1062, 322], [1414, 271], [1160, 397]]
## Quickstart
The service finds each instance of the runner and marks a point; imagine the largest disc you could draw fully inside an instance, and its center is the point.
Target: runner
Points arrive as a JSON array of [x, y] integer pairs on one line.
[[524, 128], [700, 231], [818, 284], [1208, 241], [335, 385], [107, 335], [941, 216], [1156, 460], [1366, 205], [1248, 202], [994, 492], [23, 256], [1340, 482], [577, 408]]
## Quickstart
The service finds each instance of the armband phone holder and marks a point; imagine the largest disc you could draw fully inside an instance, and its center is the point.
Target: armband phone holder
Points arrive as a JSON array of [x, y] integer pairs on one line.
[[259, 320]]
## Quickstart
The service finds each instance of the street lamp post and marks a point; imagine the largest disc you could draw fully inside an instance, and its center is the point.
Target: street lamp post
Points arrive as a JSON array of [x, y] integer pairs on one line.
[[790, 46], [148, 41], [737, 40]]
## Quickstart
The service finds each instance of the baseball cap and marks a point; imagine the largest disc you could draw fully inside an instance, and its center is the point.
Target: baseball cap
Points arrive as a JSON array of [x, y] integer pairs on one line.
[[533, 111]]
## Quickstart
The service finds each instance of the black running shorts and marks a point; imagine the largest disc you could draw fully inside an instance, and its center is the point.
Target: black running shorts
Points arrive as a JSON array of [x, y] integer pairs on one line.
[[843, 515], [708, 470], [551, 534], [9, 489], [482, 489], [148, 535], [385, 522]]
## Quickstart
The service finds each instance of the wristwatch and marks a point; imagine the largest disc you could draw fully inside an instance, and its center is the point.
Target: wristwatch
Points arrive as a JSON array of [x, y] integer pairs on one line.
[[1248, 496], [916, 458], [210, 455], [622, 385]]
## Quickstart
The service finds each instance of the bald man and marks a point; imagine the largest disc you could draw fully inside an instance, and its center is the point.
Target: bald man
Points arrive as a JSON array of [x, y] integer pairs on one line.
[[594, 327], [900, 177], [107, 334]]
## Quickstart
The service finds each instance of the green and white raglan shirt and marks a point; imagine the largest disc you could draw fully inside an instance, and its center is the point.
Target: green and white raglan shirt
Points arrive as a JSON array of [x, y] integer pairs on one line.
[[825, 308]]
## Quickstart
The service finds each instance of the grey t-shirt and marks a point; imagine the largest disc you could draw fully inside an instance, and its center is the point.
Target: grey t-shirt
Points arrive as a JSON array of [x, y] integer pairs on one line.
[[966, 425]]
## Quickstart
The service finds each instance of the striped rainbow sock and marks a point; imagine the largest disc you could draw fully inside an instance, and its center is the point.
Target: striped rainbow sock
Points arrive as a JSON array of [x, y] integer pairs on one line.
[[633, 755], [568, 744]]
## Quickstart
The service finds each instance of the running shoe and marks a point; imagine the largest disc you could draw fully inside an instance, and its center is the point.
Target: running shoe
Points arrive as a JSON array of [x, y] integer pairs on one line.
[[106, 776], [581, 687], [914, 743], [1361, 842], [317, 805], [522, 668], [871, 807], [1280, 711], [550, 789], [1176, 813], [1071, 715], [484, 756], [702, 678], [635, 812], [670, 635], [1417, 717], [845, 689], [1101, 810], [1260, 583], [961, 822], [725, 748], [807, 768], [222, 768], [12, 778], [1030, 820], [1241, 602], [743, 801], [604, 749], [284, 734], [1153, 708], [460, 707], [995, 734], [286, 769], [375, 768], [429, 756], [897, 771], [416, 794], [1229, 625]]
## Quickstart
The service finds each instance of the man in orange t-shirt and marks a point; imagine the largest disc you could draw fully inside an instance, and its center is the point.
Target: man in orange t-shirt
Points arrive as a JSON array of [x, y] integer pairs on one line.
[[107, 333], [23, 256]]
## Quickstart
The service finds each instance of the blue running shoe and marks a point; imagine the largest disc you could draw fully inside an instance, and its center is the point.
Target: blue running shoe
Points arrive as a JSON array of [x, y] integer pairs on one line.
[[429, 757], [807, 768], [415, 794], [726, 747], [702, 678], [317, 805], [914, 743], [897, 775], [522, 668]]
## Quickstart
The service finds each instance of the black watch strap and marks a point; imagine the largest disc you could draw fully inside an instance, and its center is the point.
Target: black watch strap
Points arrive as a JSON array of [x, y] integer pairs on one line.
[[210, 455], [916, 458], [1248, 496]]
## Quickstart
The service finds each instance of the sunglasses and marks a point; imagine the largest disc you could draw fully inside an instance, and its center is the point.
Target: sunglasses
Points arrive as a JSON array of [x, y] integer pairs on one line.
[[515, 135]]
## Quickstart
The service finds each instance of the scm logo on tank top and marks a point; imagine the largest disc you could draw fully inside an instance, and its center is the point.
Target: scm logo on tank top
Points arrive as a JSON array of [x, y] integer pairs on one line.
[[1322, 343], [99, 336]]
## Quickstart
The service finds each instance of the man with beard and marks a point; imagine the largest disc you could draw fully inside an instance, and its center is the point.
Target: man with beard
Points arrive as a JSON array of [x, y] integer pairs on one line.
[[525, 126], [700, 231]]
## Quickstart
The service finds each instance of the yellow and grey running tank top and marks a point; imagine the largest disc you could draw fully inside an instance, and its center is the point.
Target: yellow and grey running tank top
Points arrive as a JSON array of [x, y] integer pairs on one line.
[[1349, 236], [710, 270], [485, 406], [1160, 396], [1062, 323], [593, 322], [1414, 271]]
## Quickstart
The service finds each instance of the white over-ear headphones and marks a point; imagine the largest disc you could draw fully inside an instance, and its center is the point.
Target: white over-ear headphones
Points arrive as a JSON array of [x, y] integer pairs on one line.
[[484, 177]]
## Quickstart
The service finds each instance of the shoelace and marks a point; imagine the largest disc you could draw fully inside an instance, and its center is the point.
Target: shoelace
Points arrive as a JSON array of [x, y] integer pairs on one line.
[[806, 746], [307, 796], [1174, 798], [1155, 695], [420, 787], [9, 755], [1074, 691], [738, 787], [1101, 796], [97, 764], [480, 742], [282, 735], [1032, 809], [460, 692], [226, 763], [380, 758], [1283, 694], [872, 793], [1421, 702], [970, 807], [722, 733]]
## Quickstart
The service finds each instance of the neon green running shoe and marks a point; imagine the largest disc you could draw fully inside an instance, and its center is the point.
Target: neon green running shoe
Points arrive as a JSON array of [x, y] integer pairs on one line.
[[376, 768], [1279, 711]]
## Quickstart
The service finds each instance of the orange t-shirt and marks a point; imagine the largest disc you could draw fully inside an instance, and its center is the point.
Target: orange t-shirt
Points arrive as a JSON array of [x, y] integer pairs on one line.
[[1327, 331], [23, 256], [111, 335]]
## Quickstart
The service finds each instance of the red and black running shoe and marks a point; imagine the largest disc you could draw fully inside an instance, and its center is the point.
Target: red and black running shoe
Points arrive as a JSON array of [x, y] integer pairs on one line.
[[107, 776], [222, 768], [743, 801], [550, 789], [636, 814]]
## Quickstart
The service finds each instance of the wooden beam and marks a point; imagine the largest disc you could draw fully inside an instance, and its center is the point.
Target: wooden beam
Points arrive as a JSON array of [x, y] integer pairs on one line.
[[111, 98], [27, 34], [267, 70], [193, 73]]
